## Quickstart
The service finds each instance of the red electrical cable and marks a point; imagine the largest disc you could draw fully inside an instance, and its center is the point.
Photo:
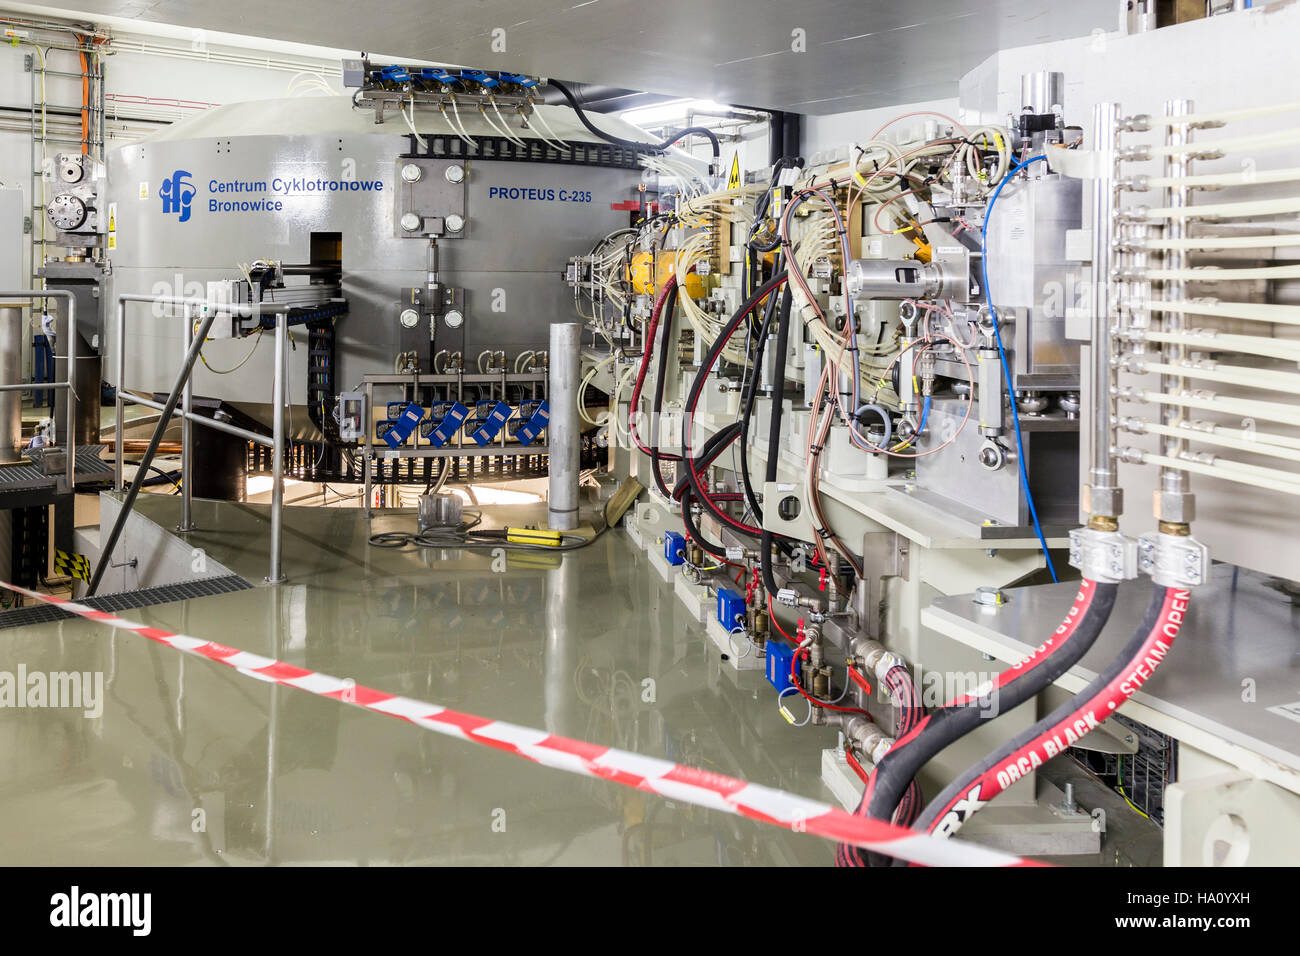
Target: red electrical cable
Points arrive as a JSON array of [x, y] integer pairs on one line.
[[777, 624], [647, 352], [794, 663]]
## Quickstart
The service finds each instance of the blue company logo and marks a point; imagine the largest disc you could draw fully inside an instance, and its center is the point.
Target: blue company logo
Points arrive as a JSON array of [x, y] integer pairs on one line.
[[177, 192]]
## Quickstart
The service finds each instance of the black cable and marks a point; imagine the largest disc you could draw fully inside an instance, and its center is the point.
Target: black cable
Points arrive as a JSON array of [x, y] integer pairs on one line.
[[632, 144], [697, 387], [661, 375], [747, 408], [774, 430], [945, 726], [1122, 662]]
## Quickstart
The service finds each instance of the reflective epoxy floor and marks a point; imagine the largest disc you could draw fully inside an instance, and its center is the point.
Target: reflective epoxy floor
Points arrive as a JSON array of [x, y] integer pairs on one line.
[[194, 763]]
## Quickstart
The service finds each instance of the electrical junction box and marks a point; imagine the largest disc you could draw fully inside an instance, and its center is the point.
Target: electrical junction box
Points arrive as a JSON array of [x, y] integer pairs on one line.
[[779, 655], [731, 608], [674, 548], [493, 424], [403, 426], [528, 432], [451, 423], [352, 416]]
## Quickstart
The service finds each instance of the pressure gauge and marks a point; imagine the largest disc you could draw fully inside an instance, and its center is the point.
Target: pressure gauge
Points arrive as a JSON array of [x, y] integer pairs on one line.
[[454, 173], [453, 318], [67, 212], [411, 222], [409, 318], [412, 173], [454, 223]]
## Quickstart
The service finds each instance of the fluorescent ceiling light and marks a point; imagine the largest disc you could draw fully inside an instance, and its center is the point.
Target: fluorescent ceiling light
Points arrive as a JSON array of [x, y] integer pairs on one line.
[[661, 113]]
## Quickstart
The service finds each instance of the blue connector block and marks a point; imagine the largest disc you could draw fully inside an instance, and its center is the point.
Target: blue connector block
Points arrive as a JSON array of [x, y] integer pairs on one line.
[[492, 426], [395, 410], [731, 608], [439, 74], [397, 74], [674, 548], [529, 430], [518, 79], [404, 425], [779, 655], [478, 76], [449, 425]]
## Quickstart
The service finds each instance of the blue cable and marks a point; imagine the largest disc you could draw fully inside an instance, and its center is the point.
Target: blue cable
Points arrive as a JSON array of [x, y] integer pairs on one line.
[[1002, 356]]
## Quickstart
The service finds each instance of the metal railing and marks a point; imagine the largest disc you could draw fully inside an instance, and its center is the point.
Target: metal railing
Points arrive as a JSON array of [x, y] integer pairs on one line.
[[182, 394], [69, 440]]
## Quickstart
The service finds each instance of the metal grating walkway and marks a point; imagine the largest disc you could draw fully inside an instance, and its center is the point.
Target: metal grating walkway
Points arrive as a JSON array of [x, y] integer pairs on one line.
[[146, 597]]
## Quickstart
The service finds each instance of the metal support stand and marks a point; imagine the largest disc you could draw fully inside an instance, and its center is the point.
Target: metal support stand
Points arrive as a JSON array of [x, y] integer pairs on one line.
[[182, 380]]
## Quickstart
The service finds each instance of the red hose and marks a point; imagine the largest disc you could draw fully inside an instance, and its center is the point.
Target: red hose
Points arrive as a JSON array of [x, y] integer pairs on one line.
[[634, 408], [1058, 732]]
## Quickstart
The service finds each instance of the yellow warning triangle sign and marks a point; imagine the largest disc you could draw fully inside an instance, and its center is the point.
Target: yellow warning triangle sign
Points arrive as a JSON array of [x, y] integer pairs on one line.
[[733, 178]]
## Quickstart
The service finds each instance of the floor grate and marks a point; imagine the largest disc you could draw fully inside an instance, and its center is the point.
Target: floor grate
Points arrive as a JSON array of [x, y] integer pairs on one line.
[[146, 597]]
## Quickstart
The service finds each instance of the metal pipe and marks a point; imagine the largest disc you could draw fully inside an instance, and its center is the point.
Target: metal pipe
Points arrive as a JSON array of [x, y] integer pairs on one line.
[[187, 433], [564, 430], [1104, 497], [106, 550], [276, 574], [1174, 482], [235, 430], [119, 409]]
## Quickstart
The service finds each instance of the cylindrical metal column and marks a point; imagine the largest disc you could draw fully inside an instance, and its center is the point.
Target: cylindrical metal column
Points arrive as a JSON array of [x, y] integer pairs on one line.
[[11, 373], [1174, 501], [1104, 497], [119, 411], [563, 431], [276, 575], [187, 432]]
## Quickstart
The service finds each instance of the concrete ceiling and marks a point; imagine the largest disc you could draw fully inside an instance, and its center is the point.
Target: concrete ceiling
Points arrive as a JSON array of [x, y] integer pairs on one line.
[[859, 53]]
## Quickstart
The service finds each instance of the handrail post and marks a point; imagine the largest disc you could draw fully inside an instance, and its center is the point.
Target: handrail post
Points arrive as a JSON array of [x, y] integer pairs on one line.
[[187, 432], [71, 442], [119, 413], [276, 574]]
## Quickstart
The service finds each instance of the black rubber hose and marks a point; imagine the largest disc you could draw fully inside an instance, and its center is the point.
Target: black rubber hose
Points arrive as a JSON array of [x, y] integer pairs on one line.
[[774, 430], [693, 530], [747, 410], [1122, 662], [708, 454], [714, 447], [632, 144], [697, 387], [661, 374], [945, 726]]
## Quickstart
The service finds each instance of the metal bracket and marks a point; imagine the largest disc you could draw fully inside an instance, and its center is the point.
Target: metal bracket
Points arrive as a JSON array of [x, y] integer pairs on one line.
[[1173, 561], [1106, 557]]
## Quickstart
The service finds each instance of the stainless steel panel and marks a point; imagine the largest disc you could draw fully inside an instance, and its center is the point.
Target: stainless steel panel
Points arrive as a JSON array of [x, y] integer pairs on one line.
[[523, 221], [1239, 628]]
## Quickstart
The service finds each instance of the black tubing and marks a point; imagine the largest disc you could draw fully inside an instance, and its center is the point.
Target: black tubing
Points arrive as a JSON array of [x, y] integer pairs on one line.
[[774, 429], [697, 386], [1122, 662], [747, 409], [633, 144], [661, 373], [901, 764]]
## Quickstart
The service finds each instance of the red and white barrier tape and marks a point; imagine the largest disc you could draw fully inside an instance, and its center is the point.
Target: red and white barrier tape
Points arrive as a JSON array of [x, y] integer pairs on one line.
[[674, 781]]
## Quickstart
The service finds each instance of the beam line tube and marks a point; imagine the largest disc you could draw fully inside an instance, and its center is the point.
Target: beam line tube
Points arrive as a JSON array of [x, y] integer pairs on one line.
[[564, 430]]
